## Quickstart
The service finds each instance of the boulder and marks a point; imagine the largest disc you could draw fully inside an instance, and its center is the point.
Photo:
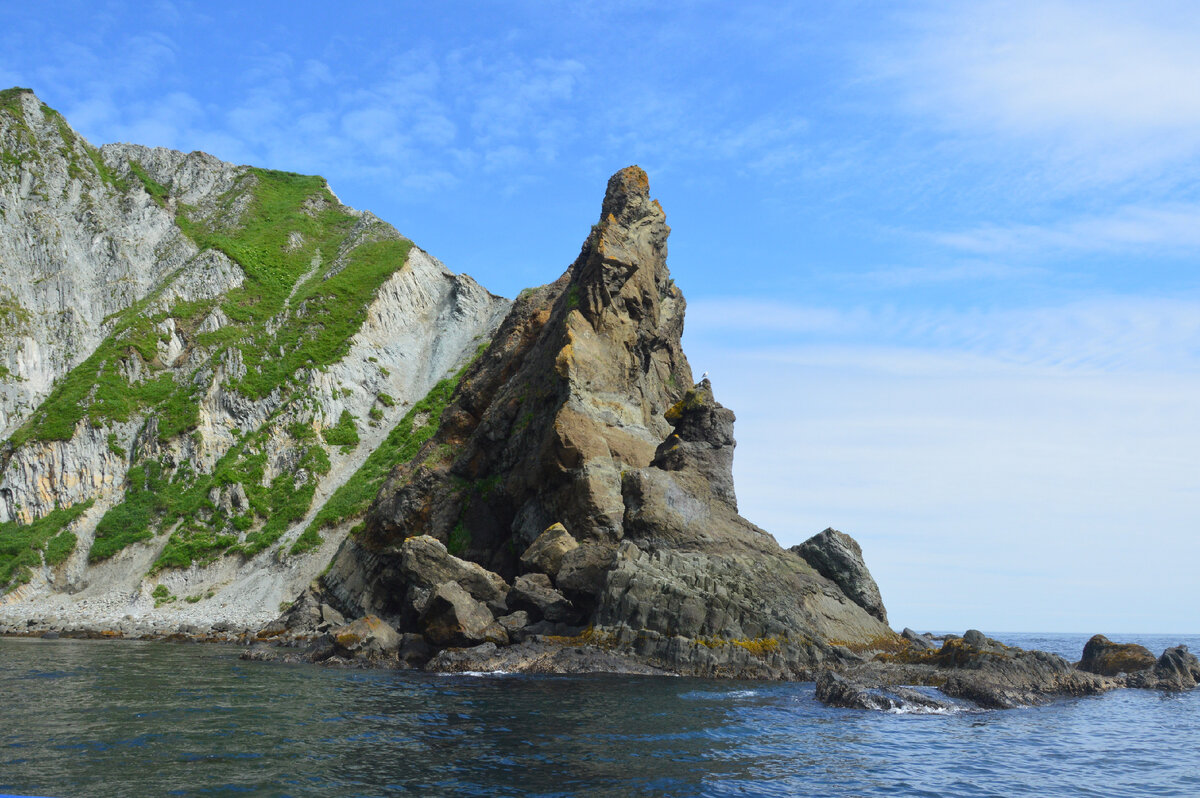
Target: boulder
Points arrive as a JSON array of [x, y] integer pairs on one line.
[[514, 621], [369, 636], [545, 555], [534, 594], [919, 641], [426, 563], [1103, 656], [330, 618], [585, 567], [307, 615], [453, 618], [838, 557]]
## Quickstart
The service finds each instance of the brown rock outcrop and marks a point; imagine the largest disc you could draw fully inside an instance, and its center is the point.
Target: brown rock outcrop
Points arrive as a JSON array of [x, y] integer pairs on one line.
[[582, 413], [1103, 656]]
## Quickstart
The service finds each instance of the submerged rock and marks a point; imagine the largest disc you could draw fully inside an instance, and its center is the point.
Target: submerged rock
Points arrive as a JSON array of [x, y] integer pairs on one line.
[[836, 690], [991, 674], [537, 657]]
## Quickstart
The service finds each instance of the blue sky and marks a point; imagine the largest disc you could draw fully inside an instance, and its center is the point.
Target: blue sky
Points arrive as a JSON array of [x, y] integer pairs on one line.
[[940, 258]]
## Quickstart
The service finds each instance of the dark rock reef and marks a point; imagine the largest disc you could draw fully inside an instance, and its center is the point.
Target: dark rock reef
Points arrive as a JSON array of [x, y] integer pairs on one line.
[[575, 512]]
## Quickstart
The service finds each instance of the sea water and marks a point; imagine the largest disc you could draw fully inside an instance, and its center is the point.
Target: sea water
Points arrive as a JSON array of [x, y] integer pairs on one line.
[[121, 718]]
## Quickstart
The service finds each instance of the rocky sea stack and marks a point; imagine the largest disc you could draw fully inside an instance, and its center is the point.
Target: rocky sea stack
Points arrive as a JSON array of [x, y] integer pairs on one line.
[[239, 410], [579, 490]]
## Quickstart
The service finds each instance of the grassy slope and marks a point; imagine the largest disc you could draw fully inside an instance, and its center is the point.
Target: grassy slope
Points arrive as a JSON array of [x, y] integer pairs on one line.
[[353, 497], [319, 315]]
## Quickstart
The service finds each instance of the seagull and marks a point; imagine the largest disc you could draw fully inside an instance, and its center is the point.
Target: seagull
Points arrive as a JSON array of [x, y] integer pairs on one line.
[[704, 376]]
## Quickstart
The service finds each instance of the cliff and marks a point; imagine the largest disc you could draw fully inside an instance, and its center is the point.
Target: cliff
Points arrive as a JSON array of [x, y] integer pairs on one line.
[[202, 366]]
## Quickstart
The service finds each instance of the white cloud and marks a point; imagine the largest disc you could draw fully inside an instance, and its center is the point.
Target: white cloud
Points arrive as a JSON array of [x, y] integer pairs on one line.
[[1130, 228], [1118, 334], [1109, 90]]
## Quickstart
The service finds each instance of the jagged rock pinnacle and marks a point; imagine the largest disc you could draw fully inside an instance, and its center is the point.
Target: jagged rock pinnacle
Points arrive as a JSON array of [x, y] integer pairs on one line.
[[627, 194]]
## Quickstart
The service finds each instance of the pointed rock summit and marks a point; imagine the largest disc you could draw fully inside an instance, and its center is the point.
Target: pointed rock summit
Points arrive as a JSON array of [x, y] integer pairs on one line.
[[580, 426]]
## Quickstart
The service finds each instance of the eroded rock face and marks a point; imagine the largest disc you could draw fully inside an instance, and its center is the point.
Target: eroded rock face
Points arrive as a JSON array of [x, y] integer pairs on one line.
[[838, 557], [701, 442]]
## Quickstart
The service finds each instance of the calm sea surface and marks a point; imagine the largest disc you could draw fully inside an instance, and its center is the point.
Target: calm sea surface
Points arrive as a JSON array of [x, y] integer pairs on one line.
[[83, 718]]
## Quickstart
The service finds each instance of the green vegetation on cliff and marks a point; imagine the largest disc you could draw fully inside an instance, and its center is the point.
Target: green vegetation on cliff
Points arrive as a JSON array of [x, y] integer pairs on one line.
[[351, 500], [311, 269], [23, 546], [288, 252]]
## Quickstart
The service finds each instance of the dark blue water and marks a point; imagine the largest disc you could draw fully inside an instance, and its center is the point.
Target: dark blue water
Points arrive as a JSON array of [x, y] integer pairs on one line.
[[84, 718]]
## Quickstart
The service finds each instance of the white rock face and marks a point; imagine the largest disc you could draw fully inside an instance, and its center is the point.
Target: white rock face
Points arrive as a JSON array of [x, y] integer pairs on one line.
[[74, 249], [81, 241]]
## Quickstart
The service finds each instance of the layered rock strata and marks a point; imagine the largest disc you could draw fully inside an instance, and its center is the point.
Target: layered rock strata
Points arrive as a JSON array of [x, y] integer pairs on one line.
[[207, 371]]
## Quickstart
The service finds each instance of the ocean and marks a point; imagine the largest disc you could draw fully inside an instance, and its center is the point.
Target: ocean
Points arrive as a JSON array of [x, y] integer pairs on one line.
[[124, 718]]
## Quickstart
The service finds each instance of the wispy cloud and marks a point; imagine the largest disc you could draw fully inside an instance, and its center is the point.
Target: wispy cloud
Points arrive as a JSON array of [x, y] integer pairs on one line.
[[1097, 69], [1111, 90], [1174, 227], [962, 272], [1125, 335], [500, 108]]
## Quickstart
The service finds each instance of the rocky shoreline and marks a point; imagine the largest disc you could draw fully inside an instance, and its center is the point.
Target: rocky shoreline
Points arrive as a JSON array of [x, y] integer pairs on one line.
[[971, 672]]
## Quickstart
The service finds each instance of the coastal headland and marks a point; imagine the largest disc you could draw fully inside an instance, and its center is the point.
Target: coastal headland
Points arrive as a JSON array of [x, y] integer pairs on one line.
[[273, 420]]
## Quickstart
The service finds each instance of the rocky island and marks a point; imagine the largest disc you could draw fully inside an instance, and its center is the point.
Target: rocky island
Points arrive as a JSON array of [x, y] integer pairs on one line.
[[238, 410]]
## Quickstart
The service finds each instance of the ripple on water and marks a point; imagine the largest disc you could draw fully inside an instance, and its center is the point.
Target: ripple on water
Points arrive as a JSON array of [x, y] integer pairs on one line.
[[114, 718]]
